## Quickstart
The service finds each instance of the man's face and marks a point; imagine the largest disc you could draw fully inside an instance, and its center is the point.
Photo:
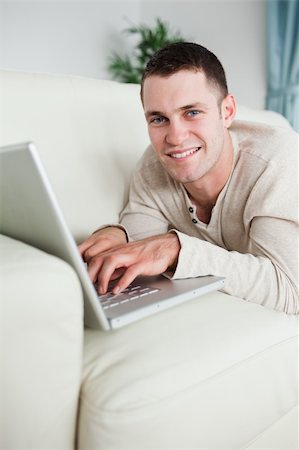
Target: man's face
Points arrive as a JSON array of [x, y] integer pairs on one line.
[[187, 126]]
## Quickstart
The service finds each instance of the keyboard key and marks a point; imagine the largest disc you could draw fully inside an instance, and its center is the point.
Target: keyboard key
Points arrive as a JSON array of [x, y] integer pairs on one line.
[[109, 300]]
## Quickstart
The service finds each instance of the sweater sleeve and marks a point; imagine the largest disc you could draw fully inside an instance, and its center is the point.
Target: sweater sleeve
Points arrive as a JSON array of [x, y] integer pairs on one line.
[[254, 278], [267, 273]]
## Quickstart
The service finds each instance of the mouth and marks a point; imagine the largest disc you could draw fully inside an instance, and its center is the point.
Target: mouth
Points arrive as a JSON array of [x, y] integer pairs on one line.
[[185, 154]]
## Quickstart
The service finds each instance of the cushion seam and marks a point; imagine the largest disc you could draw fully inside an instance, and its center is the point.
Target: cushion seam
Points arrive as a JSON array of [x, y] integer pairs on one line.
[[188, 388]]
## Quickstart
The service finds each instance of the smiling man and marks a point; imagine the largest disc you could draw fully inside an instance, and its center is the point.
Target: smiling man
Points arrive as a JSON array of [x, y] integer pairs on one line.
[[210, 196], [190, 133]]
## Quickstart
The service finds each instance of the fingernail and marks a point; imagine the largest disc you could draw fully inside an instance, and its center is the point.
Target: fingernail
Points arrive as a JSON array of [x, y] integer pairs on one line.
[[101, 291], [116, 290]]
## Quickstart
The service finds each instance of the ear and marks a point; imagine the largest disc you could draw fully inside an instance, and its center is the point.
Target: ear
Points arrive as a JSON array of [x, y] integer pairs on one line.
[[228, 110]]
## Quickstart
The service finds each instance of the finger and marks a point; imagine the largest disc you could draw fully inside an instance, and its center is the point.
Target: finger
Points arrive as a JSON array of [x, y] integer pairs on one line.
[[117, 273], [94, 249], [90, 247], [102, 240], [84, 246], [128, 277], [94, 266], [111, 264]]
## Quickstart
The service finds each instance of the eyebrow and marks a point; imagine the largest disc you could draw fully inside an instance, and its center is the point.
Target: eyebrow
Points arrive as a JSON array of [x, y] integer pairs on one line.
[[181, 108]]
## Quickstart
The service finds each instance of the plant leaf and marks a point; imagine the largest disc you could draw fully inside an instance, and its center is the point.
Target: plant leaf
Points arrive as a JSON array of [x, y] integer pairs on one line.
[[130, 69]]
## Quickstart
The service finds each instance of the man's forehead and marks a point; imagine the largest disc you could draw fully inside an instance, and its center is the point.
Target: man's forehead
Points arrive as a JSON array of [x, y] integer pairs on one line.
[[176, 92], [181, 80]]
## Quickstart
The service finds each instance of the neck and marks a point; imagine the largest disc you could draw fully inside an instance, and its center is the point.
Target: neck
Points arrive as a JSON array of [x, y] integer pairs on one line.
[[205, 191]]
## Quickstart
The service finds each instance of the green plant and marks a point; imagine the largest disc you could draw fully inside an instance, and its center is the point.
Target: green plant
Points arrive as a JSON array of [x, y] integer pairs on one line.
[[129, 69]]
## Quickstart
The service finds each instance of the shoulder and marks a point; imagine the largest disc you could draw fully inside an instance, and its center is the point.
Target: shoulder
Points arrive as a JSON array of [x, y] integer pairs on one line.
[[149, 159], [266, 169], [266, 143]]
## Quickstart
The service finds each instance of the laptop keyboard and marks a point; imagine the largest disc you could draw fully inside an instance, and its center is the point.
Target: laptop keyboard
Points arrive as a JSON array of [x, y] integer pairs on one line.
[[129, 294]]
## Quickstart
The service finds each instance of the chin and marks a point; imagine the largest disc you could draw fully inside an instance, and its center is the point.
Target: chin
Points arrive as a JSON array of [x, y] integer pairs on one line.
[[184, 178], [183, 175]]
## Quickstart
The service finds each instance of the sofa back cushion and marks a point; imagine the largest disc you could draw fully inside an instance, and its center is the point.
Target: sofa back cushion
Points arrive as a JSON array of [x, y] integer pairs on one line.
[[89, 134]]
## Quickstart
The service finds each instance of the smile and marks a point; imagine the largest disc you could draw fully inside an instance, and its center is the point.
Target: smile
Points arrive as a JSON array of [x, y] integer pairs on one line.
[[184, 154]]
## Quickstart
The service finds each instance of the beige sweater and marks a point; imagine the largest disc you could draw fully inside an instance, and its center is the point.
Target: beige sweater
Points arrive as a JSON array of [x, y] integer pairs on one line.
[[252, 236]]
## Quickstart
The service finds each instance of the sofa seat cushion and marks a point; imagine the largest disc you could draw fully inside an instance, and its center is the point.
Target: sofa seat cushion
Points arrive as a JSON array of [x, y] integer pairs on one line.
[[210, 366], [41, 316]]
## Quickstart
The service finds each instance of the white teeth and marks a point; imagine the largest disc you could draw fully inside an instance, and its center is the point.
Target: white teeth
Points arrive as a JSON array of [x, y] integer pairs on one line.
[[184, 154]]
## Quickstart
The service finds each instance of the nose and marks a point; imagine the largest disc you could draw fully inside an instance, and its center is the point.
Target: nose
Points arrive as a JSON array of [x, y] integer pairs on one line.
[[177, 133]]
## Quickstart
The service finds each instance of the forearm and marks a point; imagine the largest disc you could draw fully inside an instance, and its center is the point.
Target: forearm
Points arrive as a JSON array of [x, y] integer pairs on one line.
[[254, 278], [142, 225]]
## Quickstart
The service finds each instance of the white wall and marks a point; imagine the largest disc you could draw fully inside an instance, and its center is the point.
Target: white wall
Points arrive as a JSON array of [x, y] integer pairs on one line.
[[233, 30], [77, 37], [63, 36]]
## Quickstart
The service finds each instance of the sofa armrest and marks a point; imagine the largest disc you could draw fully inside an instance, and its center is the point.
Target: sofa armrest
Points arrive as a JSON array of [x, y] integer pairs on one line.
[[41, 348]]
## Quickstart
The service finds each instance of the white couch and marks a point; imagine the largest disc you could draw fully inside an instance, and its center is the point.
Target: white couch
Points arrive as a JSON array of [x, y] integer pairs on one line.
[[216, 373]]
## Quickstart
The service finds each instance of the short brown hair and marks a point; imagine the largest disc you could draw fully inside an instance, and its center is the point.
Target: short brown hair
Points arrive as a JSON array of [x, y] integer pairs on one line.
[[187, 56]]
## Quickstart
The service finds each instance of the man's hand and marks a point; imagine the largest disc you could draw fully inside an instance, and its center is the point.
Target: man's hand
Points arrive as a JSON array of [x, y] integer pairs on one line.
[[101, 241], [151, 256]]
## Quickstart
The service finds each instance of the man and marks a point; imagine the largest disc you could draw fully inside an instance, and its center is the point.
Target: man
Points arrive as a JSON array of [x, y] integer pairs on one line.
[[210, 196]]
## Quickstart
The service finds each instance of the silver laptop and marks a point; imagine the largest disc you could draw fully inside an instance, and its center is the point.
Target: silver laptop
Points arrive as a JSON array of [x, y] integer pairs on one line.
[[29, 212]]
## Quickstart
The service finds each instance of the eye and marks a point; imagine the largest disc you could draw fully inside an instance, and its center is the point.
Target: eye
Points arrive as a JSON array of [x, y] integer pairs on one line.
[[193, 113], [157, 120]]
